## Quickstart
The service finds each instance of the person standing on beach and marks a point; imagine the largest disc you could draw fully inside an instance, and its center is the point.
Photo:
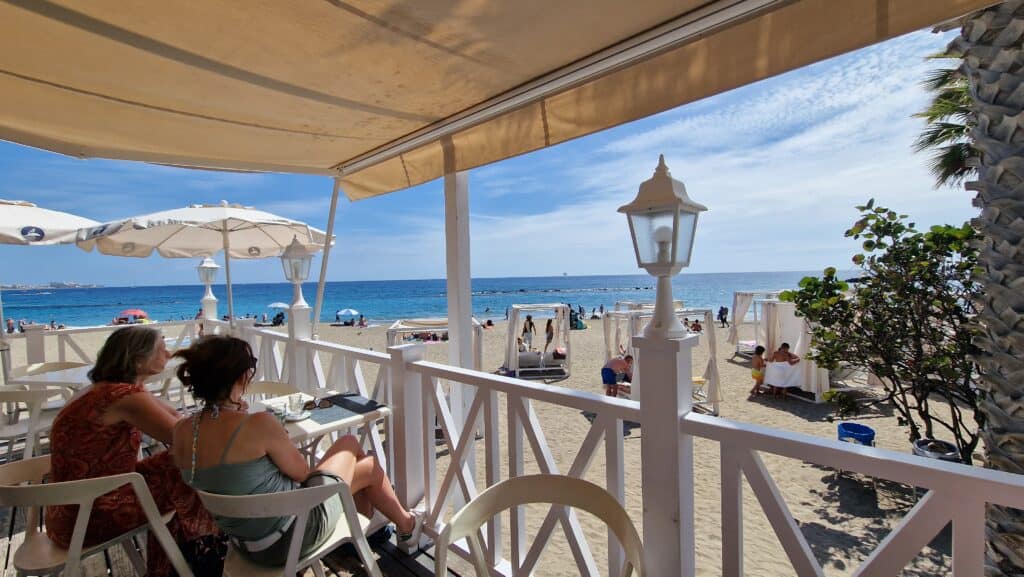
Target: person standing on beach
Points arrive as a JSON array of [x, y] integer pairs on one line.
[[549, 332], [529, 329], [757, 370], [723, 316]]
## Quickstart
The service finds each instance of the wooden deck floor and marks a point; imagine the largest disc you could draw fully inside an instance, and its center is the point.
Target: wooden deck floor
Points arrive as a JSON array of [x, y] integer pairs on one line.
[[114, 562]]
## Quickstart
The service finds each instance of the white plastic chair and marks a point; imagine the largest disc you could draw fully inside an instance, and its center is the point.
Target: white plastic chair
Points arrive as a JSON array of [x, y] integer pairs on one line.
[[286, 503], [38, 555], [554, 489], [260, 390], [15, 398]]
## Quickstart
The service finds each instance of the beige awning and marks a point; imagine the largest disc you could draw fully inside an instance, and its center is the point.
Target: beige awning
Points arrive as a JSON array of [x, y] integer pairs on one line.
[[373, 90]]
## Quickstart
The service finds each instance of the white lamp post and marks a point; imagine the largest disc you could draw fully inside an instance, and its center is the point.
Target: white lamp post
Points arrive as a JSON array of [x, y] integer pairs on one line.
[[207, 275], [663, 223], [662, 220], [296, 260]]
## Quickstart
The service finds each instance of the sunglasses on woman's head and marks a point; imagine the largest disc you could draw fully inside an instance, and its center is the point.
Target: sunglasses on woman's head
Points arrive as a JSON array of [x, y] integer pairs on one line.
[[252, 362]]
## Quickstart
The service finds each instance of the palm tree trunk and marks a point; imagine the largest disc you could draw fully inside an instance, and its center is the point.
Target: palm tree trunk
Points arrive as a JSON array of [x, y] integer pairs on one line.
[[992, 42]]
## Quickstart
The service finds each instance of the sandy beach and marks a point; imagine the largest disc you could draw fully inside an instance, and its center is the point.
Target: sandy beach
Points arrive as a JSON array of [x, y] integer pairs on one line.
[[843, 516]]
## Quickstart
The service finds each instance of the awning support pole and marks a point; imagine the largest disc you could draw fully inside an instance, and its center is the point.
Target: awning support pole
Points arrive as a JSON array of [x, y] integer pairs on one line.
[[460, 303], [318, 307]]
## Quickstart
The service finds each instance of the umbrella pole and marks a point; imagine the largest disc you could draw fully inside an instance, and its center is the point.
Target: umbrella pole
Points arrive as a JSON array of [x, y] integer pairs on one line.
[[319, 304], [227, 276]]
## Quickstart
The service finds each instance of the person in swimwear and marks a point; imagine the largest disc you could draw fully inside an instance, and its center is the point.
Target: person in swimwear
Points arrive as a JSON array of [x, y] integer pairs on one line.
[[757, 365]]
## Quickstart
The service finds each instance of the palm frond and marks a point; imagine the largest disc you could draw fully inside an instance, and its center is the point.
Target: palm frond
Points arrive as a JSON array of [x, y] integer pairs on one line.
[[949, 164], [939, 134]]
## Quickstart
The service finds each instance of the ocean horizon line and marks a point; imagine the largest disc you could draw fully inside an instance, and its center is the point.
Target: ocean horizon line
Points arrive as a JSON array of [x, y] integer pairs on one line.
[[482, 278]]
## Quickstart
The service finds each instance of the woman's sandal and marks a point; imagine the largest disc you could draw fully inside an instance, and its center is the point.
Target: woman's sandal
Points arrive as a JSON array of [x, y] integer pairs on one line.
[[413, 537]]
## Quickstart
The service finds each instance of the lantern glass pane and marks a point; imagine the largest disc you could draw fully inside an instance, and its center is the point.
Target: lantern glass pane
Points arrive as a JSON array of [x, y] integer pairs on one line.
[[296, 269], [684, 240], [654, 236]]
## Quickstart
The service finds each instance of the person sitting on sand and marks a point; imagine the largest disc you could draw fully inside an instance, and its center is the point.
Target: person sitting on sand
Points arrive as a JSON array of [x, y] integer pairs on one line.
[[757, 365], [610, 374], [696, 327], [362, 321], [520, 346]]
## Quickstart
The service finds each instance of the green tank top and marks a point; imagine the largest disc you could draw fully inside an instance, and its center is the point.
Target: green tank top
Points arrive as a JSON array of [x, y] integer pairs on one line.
[[256, 477]]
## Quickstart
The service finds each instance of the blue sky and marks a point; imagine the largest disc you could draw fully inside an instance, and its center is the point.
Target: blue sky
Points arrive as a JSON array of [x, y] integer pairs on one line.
[[780, 164]]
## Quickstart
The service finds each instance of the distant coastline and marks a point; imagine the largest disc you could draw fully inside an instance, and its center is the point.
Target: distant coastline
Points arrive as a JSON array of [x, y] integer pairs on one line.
[[50, 285]]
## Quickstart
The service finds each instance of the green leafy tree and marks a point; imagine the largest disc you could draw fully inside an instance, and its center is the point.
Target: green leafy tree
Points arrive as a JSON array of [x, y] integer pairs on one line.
[[908, 322]]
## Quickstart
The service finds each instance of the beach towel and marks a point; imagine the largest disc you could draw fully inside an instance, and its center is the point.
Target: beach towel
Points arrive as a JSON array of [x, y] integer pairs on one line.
[[784, 375]]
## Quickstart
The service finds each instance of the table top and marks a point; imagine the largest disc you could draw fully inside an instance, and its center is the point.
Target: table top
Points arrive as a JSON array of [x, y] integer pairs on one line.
[[74, 377], [313, 427], [78, 377]]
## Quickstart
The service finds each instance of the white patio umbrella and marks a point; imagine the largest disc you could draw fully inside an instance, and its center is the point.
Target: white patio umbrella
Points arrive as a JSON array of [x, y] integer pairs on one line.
[[347, 312], [202, 230], [24, 223], [279, 305]]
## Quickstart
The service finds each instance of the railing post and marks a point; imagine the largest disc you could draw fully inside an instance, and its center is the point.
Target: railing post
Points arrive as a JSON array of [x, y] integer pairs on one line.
[[299, 329], [408, 427], [35, 344], [667, 455]]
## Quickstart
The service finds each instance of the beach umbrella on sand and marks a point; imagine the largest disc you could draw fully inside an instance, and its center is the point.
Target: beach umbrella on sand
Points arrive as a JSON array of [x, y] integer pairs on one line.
[[24, 223], [279, 305], [347, 313], [202, 230], [137, 313]]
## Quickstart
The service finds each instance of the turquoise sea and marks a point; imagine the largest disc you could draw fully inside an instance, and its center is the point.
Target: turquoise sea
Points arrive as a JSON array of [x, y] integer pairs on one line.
[[383, 301]]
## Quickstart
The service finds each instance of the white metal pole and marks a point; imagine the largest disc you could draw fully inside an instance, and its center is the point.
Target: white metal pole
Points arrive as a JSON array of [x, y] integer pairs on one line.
[[227, 275], [460, 308], [667, 455], [320, 285]]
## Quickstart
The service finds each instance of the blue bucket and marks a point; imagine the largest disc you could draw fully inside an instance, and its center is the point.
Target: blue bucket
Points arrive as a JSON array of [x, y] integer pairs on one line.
[[855, 433]]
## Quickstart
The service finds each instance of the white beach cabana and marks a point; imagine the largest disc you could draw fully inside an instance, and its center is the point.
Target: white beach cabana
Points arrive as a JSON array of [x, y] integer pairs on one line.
[[536, 364], [405, 327], [743, 301], [780, 324], [621, 325]]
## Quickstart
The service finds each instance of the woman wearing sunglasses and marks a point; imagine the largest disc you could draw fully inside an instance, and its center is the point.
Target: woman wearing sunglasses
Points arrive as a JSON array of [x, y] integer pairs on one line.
[[224, 449]]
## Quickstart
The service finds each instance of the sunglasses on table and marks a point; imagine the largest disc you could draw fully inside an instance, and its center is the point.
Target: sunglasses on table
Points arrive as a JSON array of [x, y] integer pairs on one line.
[[317, 404]]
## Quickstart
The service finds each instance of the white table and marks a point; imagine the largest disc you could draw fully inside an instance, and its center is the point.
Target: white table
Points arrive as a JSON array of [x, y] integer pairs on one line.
[[78, 377], [307, 433], [74, 378]]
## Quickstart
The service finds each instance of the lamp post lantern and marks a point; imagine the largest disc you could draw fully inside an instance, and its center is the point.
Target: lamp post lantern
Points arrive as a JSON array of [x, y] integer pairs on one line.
[[296, 259], [663, 223], [207, 275]]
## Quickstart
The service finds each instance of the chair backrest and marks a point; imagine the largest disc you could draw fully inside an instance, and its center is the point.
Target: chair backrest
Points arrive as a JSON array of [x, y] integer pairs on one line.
[[554, 489], [260, 390], [15, 493], [13, 396], [297, 502]]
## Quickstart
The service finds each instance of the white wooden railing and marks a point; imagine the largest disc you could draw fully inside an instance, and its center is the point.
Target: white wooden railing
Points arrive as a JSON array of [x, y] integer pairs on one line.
[[523, 433], [415, 390], [954, 493], [70, 347]]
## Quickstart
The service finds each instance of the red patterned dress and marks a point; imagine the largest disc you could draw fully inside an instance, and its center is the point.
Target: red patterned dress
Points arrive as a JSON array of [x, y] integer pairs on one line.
[[83, 448]]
